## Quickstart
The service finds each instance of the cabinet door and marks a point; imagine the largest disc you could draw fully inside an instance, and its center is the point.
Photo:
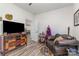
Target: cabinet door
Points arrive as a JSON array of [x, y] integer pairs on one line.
[[23, 40], [12, 44], [6, 44]]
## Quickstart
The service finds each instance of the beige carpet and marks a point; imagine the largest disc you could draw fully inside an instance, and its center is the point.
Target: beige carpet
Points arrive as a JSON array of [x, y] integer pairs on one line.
[[32, 49]]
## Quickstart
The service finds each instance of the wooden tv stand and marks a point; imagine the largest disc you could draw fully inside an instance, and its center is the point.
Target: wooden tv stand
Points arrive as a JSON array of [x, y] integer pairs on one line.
[[13, 41]]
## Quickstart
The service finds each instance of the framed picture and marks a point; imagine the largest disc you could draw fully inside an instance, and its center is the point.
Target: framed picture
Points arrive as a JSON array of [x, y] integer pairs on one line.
[[76, 18]]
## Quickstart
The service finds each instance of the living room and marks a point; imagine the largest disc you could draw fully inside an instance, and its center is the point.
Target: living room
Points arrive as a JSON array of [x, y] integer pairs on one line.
[[36, 18]]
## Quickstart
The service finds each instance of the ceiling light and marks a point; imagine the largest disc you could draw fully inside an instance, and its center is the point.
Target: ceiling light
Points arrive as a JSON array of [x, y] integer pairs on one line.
[[30, 4]]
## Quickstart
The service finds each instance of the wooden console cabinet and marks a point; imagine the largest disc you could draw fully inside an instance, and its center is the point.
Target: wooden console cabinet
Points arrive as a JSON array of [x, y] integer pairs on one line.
[[12, 41]]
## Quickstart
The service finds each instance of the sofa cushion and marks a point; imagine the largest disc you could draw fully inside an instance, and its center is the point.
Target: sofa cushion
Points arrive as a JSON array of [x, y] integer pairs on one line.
[[68, 42], [60, 38], [67, 37]]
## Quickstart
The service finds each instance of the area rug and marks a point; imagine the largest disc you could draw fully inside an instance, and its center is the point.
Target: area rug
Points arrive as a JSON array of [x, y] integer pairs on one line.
[[45, 51]]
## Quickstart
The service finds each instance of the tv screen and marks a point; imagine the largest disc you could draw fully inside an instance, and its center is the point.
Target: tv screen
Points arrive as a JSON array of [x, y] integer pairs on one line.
[[12, 27]]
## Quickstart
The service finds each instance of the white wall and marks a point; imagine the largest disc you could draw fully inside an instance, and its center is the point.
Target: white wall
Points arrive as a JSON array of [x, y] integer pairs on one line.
[[58, 20], [19, 14], [35, 30], [76, 28]]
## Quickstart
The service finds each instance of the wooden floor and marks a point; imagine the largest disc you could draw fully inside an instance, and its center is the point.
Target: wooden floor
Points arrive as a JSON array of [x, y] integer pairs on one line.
[[32, 49]]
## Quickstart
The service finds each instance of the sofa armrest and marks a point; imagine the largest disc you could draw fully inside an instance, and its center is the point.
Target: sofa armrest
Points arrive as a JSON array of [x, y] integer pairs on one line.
[[68, 42], [52, 38]]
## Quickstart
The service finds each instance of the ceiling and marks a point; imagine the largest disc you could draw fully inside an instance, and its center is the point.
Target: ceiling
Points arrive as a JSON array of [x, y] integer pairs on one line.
[[37, 8]]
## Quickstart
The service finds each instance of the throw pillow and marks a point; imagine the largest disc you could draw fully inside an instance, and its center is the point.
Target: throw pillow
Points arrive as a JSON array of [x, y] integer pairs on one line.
[[60, 38]]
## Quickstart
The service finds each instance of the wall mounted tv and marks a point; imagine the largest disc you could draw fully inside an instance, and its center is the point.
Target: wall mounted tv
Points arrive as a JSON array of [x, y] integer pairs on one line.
[[12, 27]]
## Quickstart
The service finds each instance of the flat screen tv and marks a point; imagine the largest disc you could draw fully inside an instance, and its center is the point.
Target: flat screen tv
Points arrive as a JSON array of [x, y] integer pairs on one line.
[[12, 27]]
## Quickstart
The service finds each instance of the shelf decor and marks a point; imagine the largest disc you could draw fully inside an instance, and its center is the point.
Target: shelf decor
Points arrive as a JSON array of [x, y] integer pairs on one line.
[[9, 16], [0, 18]]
